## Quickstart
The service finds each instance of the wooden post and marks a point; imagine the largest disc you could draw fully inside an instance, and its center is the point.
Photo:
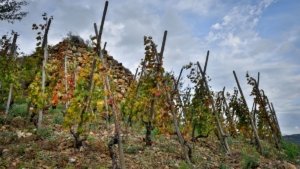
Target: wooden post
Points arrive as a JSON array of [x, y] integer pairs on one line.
[[230, 116], [176, 88], [142, 72], [206, 61], [13, 49], [96, 31], [222, 136], [75, 74], [163, 47], [178, 79], [273, 124], [45, 40], [9, 99], [66, 81], [136, 90], [104, 79], [136, 72], [104, 47], [45, 48], [254, 110], [176, 82], [186, 148], [269, 118], [276, 119], [249, 114], [115, 110], [13, 55], [264, 100]]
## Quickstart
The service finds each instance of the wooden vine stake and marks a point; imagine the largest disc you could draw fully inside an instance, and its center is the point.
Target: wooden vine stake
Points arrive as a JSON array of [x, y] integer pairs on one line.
[[259, 147], [117, 139], [230, 116], [254, 106], [272, 120], [186, 148], [179, 100], [9, 98], [276, 121], [104, 78], [66, 80], [45, 48], [221, 134], [13, 55], [129, 121], [263, 99]]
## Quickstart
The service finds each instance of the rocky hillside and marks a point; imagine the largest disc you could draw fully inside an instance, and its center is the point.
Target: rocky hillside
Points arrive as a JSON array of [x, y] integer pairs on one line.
[[22, 146], [78, 53]]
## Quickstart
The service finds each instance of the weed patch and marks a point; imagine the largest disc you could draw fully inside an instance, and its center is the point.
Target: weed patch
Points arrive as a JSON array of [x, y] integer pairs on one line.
[[44, 133], [291, 151]]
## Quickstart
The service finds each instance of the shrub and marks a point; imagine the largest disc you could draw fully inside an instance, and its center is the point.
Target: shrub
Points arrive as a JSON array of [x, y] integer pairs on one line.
[[155, 132], [93, 127], [75, 39], [18, 110], [54, 111], [224, 166], [8, 137], [230, 141], [44, 133], [2, 107], [250, 158], [133, 149], [21, 149], [250, 161], [2, 120], [43, 156], [183, 165], [291, 150], [58, 119], [170, 148], [58, 110], [20, 100], [91, 139], [269, 150]]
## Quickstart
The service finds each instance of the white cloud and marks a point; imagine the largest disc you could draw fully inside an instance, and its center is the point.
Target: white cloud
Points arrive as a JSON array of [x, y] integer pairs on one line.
[[217, 26], [231, 41], [203, 7]]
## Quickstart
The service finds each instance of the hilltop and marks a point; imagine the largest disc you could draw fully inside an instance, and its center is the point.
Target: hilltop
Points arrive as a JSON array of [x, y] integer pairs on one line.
[[293, 138]]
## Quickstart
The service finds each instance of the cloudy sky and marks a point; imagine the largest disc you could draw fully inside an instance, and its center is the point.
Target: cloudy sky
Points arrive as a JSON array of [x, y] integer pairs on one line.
[[243, 35]]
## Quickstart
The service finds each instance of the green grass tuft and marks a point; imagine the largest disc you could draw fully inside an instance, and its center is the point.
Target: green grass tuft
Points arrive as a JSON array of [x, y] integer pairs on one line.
[[183, 165], [291, 151], [44, 133], [18, 110], [250, 158]]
